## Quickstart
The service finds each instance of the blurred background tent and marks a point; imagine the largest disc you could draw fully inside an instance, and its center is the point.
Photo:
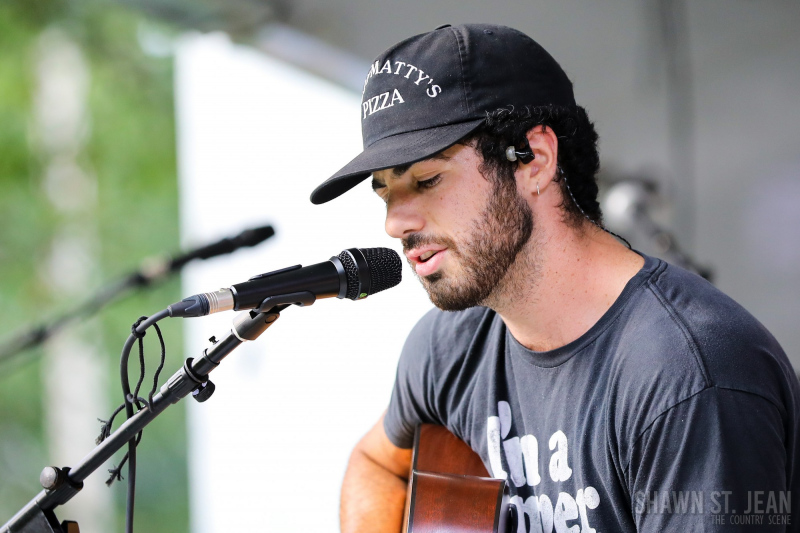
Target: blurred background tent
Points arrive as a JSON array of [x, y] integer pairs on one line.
[[695, 102]]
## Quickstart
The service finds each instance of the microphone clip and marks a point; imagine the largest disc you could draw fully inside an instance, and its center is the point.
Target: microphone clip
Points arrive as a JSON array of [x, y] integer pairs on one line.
[[302, 299]]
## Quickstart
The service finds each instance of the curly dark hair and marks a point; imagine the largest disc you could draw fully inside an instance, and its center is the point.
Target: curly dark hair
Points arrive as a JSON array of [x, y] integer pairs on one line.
[[578, 159]]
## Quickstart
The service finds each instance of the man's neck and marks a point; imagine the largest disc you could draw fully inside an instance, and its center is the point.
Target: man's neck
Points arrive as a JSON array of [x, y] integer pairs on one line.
[[562, 283]]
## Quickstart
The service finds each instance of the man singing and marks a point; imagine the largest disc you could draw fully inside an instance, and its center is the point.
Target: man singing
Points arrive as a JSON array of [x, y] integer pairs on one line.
[[603, 385]]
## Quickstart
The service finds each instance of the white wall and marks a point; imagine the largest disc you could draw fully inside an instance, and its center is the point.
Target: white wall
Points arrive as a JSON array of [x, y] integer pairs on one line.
[[268, 451]]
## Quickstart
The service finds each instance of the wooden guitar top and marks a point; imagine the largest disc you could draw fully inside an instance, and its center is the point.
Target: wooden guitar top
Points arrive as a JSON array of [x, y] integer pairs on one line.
[[449, 489]]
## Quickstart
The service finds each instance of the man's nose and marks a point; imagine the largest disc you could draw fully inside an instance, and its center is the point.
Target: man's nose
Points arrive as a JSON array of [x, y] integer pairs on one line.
[[403, 217]]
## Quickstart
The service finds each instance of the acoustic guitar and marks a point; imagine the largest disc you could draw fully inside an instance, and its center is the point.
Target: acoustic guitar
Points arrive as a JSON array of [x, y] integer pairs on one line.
[[450, 491]]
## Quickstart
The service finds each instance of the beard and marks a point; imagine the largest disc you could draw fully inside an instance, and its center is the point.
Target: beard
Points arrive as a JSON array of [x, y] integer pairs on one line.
[[497, 237]]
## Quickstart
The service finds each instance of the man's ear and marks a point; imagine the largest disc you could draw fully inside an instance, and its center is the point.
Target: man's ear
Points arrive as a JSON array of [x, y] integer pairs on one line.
[[535, 176]]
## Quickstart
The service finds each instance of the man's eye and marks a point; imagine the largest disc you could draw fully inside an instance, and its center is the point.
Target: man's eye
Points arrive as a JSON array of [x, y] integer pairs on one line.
[[379, 189], [427, 184]]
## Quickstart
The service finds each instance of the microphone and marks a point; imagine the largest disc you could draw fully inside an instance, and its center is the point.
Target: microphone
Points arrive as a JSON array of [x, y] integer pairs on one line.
[[247, 238], [157, 268], [354, 274]]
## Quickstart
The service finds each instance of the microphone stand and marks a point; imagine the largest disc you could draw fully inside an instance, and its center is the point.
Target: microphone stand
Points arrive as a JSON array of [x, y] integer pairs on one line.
[[627, 205], [61, 484], [151, 272]]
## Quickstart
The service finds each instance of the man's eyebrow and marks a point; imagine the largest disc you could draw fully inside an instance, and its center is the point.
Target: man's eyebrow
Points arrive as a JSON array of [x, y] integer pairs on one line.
[[402, 169]]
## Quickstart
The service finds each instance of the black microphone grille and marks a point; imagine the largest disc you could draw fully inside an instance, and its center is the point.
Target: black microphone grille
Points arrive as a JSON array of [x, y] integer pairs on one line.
[[385, 268], [371, 271]]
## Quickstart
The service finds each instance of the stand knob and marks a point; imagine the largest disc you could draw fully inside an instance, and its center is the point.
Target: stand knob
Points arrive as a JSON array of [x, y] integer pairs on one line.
[[203, 391], [52, 477]]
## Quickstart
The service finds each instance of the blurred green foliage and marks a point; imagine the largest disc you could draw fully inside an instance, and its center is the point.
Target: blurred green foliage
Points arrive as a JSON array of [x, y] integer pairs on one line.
[[131, 150]]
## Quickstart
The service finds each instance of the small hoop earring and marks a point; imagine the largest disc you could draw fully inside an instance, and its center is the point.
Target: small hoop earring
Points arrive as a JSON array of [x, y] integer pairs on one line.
[[537, 189]]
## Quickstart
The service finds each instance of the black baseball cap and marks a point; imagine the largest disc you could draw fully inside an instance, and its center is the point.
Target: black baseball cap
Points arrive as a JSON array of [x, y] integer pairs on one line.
[[426, 93]]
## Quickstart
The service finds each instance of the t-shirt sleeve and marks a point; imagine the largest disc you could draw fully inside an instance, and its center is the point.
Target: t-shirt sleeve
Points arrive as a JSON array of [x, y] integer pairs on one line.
[[703, 464], [412, 397]]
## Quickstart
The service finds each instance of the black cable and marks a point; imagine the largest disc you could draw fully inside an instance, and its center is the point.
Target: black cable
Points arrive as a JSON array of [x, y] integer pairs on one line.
[[131, 495], [160, 366], [132, 400], [136, 333], [140, 338], [601, 226]]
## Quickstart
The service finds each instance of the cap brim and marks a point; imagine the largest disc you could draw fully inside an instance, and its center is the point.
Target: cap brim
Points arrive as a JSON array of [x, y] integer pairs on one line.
[[393, 151]]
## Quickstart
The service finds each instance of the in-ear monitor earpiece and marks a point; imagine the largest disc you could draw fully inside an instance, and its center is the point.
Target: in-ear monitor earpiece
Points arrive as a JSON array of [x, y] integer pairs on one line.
[[522, 153]]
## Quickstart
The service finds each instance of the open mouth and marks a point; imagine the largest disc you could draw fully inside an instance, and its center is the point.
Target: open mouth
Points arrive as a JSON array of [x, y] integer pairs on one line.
[[427, 255], [428, 262]]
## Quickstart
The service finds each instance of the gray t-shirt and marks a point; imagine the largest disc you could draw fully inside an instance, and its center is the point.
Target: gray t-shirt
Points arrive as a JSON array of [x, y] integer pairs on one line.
[[677, 411]]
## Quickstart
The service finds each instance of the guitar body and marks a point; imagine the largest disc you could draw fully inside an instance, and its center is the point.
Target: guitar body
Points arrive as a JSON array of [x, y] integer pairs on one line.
[[450, 491]]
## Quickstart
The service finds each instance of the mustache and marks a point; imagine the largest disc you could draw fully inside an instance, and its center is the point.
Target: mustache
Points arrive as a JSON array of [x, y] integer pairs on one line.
[[415, 240]]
